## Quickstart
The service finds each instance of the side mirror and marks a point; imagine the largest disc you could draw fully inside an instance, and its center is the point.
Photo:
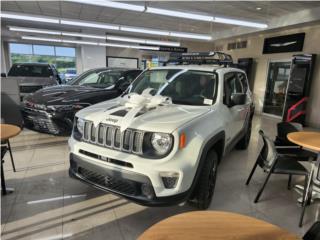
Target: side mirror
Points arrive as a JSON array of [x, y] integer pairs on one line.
[[237, 99], [3, 75]]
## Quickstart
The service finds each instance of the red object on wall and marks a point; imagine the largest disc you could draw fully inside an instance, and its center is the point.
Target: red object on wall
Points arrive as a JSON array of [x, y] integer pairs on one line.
[[291, 115]]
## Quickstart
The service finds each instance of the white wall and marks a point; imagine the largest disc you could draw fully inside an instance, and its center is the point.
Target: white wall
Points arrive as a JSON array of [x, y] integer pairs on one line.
[[89, 57]]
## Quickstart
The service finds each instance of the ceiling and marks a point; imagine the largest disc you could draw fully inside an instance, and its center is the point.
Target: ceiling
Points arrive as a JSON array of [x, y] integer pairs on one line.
[[71, 10]]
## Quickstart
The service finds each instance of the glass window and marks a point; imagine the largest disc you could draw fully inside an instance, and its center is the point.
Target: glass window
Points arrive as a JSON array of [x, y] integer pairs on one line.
[[189, 88], [65, 52], [20, 48], [43, 50], [62, 57]]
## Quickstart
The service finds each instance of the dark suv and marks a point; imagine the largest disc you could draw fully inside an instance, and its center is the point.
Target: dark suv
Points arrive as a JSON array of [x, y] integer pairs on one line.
[[52, 109]]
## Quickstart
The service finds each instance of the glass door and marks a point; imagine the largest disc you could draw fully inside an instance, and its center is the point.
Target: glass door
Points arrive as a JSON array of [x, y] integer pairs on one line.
[[277, 82]]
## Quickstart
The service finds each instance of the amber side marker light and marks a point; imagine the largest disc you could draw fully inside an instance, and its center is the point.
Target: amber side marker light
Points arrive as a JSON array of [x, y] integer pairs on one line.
[[183, 139]]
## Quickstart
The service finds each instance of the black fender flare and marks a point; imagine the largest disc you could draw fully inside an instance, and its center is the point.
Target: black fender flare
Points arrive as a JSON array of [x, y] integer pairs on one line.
[[208, 146]]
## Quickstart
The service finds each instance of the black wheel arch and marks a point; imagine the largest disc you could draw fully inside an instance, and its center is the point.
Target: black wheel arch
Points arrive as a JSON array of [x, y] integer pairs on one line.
[[217, 143]]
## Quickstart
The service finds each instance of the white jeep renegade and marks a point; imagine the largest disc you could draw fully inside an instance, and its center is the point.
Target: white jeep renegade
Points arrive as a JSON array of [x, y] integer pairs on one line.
[[161, 142]]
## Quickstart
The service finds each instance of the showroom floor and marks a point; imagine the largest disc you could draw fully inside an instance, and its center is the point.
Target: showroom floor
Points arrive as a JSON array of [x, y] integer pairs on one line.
[[47, 204]]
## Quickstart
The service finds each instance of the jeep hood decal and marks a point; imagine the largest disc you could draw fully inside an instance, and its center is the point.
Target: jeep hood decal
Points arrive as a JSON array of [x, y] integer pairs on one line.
[[144, 112]]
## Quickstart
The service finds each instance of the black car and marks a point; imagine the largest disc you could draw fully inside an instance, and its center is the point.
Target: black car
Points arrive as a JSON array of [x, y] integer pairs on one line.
[[52, 109]]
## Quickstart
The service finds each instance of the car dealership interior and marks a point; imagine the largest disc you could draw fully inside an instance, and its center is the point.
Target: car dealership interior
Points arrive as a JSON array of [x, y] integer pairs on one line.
[[160, 119]]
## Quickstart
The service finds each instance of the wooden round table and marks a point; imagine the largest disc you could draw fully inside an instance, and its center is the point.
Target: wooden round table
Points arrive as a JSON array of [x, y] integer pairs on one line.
[[309, 141], [216, 226], [7, 131]]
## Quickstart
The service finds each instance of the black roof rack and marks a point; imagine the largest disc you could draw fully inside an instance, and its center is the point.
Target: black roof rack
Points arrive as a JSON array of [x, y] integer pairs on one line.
[[216, 58]]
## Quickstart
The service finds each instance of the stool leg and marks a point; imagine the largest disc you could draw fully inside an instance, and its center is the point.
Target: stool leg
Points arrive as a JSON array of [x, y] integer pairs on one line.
[[12, 162], [3, 183], [289, 181]]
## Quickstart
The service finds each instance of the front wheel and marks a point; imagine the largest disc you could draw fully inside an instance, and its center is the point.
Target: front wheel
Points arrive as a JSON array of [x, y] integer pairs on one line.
[[207, 181]]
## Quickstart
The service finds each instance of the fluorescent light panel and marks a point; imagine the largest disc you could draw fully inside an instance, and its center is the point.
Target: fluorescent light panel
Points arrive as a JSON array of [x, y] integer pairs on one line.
[[20, 16], [145, 41], [34, 30], [108, 37], [126, 28], [111, 4], [239, 22], [179, 14], [41, 39], [75, 34], [89, 24], [171, 13], [89, 43]]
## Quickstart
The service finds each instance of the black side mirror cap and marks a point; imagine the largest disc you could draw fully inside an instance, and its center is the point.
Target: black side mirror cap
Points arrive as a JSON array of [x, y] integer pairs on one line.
[[3, 75], [237, 99]]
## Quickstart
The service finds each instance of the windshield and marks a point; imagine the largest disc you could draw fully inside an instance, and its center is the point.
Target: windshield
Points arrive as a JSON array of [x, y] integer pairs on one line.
[[98, 78], [28, 70], [183, 86]]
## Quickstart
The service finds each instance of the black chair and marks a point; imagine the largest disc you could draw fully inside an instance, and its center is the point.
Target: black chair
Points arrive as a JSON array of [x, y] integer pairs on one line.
[[3, 183], [274, 163], [313, 233], [284, 146]]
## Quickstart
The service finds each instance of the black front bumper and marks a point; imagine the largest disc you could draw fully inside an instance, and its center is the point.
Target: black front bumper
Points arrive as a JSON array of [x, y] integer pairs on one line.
[[48, 122], [124, 183]]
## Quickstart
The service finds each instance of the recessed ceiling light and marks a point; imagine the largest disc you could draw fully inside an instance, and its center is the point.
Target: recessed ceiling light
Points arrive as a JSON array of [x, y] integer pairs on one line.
[[258, 8]]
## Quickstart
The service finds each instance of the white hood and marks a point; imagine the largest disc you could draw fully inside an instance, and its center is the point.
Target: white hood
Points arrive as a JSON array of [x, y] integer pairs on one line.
[[162, 118]]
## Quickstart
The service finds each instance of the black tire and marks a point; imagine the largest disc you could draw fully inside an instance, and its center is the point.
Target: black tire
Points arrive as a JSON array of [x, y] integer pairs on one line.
[[245, 140], [206, 183]]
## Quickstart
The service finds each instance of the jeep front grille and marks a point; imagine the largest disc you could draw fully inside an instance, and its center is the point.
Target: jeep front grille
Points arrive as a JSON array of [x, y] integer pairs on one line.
[[111, 137]]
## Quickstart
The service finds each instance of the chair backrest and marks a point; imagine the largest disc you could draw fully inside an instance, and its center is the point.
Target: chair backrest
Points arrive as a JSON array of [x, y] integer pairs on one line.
[[268, 154], [283, 128], [313, 233]]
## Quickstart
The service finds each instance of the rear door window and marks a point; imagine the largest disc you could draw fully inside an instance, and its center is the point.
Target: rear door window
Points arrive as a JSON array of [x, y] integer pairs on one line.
[[21, 70]]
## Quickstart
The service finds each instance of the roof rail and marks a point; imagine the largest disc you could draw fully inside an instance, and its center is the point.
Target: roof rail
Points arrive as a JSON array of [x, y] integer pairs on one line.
[[216, 58]]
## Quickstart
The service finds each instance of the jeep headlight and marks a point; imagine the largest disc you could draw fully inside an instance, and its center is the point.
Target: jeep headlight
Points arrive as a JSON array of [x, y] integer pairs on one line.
[[78, 128], [161, 143], [80, 125]]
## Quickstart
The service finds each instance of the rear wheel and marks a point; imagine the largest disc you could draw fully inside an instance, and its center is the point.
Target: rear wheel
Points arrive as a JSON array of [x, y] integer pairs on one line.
[[207, 181]]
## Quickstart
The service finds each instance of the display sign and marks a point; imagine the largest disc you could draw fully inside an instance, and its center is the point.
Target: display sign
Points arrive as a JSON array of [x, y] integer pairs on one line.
[[122, 62], [173, 49], [281, 44], [168, 48]]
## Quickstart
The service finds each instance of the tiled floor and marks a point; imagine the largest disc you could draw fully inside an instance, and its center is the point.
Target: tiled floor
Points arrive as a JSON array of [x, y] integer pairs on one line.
[[47, 204]]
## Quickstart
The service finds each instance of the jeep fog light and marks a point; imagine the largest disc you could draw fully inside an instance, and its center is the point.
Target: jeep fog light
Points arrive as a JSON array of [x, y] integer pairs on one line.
[[147, 190], [169, 179]]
